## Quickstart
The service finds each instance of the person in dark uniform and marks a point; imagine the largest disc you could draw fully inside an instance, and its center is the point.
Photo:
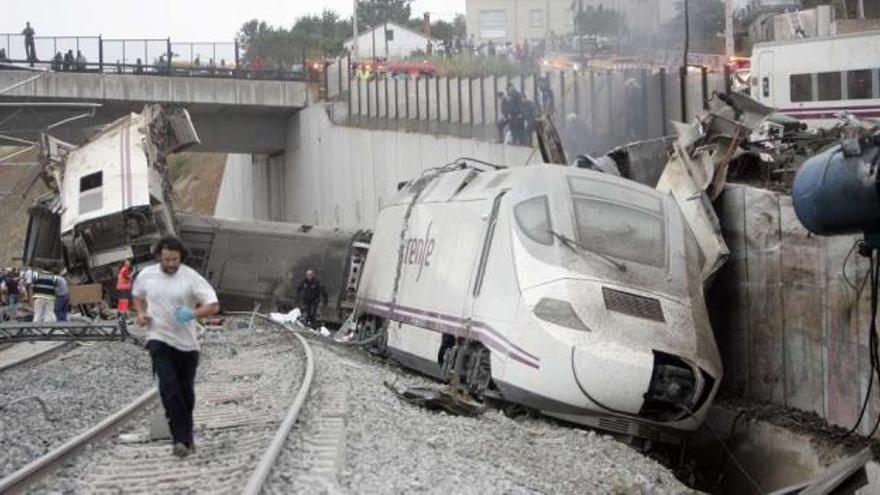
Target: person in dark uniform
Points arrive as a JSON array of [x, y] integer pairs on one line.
[[310, 292]]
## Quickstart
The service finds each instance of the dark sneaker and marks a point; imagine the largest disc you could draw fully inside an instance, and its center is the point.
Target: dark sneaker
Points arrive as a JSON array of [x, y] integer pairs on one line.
[[180, 450]]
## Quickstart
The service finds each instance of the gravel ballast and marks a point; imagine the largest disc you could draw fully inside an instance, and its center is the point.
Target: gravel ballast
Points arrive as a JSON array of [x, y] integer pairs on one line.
[[79, 389], [394, 447]]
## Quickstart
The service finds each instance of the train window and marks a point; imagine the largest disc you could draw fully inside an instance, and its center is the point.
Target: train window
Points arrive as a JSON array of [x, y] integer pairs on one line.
[[621, 231], [801, 86], [858, 84], [91, 181], [829, 86], [533, 217]]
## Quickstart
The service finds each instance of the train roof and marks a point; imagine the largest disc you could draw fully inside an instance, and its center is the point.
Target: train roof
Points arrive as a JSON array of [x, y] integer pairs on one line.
[[816, 39], [282, 229], [474, 185]]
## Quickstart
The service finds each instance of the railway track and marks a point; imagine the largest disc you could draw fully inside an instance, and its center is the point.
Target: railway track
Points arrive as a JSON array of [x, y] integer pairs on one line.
[[251, 385], [30, 353]]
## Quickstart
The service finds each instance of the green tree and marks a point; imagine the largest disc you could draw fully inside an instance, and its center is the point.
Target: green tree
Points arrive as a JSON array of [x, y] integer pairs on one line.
[[278, 47], [600, 21], [372, 13]]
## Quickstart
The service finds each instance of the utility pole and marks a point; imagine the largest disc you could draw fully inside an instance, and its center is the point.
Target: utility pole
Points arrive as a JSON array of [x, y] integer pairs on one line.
[[729, 48], [354, 24], [861, 9], [687, 33]]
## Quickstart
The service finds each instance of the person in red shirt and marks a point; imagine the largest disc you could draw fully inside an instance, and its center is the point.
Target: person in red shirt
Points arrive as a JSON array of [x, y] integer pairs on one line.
[[123, 287]]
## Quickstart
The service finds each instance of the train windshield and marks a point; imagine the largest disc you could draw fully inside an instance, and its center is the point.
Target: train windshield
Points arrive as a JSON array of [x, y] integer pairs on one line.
[[619, 222]]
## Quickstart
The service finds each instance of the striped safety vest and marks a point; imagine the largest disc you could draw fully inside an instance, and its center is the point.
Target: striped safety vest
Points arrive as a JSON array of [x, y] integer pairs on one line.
[[43, 285]]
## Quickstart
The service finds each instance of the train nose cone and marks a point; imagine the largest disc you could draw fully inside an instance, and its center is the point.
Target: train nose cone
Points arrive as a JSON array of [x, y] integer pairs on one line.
[[593, 367]]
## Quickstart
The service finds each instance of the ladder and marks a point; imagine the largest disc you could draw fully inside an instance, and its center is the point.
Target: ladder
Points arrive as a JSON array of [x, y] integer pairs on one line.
[[795, 25]]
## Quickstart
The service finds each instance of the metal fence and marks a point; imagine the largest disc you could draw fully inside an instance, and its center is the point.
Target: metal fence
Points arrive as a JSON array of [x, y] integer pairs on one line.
[[148, 56], [593, 110]]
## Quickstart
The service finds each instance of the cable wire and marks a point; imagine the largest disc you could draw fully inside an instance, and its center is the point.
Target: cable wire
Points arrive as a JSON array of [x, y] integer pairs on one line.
[[874, 275]]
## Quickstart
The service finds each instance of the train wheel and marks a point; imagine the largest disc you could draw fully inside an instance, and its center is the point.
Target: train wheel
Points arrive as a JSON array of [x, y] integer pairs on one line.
[[479, 370], [373, 333]]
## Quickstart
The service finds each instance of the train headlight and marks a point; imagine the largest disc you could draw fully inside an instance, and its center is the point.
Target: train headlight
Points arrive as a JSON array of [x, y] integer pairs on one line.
[[672, 390], [559, 313]]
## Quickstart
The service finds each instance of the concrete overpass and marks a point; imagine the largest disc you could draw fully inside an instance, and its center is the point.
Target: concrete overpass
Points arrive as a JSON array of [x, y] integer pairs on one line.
[[231, 115]]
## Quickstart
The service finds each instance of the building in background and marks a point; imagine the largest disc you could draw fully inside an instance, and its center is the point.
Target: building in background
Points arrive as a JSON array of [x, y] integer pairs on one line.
[[401, 42], [517, 20]]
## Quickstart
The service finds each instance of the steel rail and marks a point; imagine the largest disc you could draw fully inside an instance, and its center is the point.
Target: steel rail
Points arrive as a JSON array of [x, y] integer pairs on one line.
[[264, 468], [45, 353], [19, 480]]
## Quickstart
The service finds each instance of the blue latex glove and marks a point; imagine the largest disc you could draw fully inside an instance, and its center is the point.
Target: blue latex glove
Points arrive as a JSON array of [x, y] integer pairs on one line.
[[184, 315]]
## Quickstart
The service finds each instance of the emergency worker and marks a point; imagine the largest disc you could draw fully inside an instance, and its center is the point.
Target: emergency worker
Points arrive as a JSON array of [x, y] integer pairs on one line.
[[42, 294], [123, 287], [311, 291], [168, 297]]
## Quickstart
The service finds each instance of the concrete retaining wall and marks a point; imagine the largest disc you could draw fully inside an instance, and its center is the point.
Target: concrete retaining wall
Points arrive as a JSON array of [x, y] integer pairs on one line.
[[252, 188], [338, 176], [610, 107], [791, 311]]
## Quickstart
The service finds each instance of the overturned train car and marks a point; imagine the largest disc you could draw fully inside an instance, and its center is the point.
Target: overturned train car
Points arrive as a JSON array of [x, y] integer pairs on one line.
[[253, 262], [113, 198], [569, 291]]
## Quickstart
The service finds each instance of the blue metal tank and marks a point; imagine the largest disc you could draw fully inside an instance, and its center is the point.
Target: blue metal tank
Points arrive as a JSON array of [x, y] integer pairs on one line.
[[836, 194]]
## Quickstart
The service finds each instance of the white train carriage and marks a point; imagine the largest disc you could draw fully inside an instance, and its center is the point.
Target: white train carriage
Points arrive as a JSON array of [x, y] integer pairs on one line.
[[569, 291], [814, 79]]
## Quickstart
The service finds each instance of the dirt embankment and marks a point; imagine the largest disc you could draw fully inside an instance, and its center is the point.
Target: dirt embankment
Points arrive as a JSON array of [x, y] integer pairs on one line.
[[196, 178]]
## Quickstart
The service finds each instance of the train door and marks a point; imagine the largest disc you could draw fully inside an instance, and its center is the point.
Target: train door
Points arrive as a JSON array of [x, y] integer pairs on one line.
[[474, 364], [766, 82]]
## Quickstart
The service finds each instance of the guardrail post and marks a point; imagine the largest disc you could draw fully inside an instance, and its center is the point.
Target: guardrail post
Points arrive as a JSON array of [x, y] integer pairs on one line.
[[100, 54], [682, 84], [663, 101], [704, 86], [168, 52]]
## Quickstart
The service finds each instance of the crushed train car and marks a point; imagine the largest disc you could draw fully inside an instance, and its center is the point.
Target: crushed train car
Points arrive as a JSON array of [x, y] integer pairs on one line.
[[112, 197]]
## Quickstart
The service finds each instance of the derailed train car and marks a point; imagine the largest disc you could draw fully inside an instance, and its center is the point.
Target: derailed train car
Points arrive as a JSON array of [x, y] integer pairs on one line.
[[113, 198], [572, 292], [254, 262]]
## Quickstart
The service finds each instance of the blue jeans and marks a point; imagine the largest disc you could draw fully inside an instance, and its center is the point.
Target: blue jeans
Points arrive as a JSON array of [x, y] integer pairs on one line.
[[62, 306]]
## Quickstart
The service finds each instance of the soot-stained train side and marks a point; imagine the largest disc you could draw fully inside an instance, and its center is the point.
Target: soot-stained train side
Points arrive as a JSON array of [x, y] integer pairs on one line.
[[569, 291]]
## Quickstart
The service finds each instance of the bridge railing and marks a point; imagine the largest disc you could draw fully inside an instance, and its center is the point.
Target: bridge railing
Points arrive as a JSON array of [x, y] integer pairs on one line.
[[141, 56]]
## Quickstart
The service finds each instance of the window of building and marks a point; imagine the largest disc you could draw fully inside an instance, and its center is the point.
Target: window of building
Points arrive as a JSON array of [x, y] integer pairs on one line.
[[829, 86], [858, 84], [493, 24], [801, 87], [536, 18]]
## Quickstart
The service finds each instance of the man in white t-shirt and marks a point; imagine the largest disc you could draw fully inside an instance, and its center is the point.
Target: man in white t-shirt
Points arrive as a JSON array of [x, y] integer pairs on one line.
[[167, 298]]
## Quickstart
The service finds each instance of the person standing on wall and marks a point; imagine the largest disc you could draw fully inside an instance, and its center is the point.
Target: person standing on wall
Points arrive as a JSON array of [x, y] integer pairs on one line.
[[29, 47], [168, 297]]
